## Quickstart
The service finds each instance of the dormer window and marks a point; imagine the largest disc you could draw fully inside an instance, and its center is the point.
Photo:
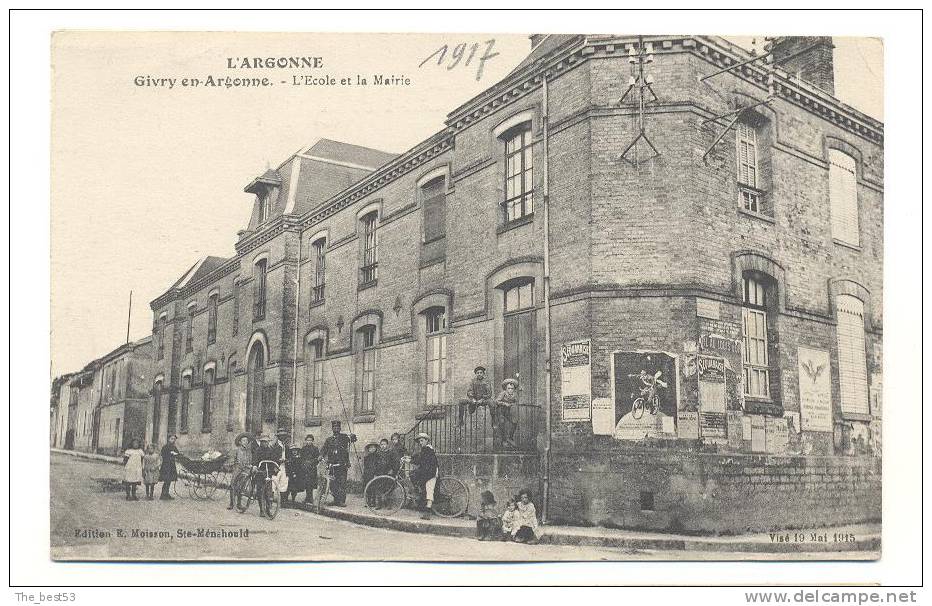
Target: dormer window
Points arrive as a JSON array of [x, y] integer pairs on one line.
[[266, 190]]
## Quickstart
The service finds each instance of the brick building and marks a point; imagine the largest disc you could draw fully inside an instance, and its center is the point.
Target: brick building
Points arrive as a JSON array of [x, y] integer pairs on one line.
[[701, 242], [103, 407]]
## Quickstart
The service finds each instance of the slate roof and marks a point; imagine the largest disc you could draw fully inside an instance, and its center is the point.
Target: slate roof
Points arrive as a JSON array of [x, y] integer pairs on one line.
[[349, 153], [203, 267], [549, 43]]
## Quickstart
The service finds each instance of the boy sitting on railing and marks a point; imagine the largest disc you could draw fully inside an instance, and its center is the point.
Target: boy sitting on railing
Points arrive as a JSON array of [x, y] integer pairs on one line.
[[478, 394]]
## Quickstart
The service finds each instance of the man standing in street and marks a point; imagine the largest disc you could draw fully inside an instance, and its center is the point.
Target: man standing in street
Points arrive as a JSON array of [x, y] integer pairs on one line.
[[168, 473], [336, 453]]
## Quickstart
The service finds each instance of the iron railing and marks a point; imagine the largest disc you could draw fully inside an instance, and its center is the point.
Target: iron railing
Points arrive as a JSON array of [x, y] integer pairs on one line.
[[474, 434]]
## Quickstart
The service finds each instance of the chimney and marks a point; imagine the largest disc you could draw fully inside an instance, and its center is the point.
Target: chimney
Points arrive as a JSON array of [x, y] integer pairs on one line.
[[536, 39], [808, 57]]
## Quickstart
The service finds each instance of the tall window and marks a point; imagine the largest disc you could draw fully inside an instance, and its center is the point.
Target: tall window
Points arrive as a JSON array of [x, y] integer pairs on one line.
[[754, 316], [519, 339], [436, 325], [208, 407], [852, 354], [265, 206], [843, 191], [160, 337], [189, 329], [212, 318], [315, 383], [236, 290], [519, 173], [231, 395], [185, 403], [255, 388], [366, 389], [435, 209], [370, 257], [260, 276], [156, 411], [748, 178], [320, 268]]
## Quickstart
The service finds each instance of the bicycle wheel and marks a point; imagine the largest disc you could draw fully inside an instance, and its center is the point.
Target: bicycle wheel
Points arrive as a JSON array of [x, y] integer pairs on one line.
[[212, 483], [384, 495], [451, 498], [243, 491], [637, 409], [273, 499], [322, 491]]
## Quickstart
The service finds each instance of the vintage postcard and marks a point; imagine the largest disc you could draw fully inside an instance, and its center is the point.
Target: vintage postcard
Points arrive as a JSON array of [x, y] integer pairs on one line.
[[466, 297]]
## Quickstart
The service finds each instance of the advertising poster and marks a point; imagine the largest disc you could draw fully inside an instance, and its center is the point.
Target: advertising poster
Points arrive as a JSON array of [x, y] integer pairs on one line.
[[645, 392], [712, 421], [576, 380]]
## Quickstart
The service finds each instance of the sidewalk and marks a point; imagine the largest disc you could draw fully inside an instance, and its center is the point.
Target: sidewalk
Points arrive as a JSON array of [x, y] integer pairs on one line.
[[866, 545], [407, 520]]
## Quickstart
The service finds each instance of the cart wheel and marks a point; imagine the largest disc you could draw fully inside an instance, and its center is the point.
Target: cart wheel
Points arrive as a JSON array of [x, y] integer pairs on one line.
[[273, 499], [451, 498], [384, 495], [323, 489], [212, 482], [180, 488], [199, 487]]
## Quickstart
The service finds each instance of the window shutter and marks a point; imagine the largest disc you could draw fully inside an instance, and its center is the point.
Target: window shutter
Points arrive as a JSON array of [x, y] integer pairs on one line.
[[843, 193], [852, 356], [434, 218]]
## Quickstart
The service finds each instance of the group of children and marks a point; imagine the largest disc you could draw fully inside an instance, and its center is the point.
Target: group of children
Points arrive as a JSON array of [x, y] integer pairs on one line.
[[517, 523], [383, 458], [140, 467]]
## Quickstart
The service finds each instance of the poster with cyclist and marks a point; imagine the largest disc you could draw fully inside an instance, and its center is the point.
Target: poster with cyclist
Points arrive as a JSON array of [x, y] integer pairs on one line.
[[645, 393]]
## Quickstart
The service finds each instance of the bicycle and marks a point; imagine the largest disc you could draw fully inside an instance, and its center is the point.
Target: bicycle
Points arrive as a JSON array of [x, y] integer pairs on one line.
[[386, 494], [268, 494], [323, 488], [649, 396]]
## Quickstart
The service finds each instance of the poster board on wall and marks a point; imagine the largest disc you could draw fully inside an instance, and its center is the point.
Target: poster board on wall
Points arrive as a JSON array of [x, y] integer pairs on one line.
[[815, 389], [576, 380]]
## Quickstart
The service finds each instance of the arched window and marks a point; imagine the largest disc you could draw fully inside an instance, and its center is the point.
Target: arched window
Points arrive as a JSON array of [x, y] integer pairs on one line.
[[231, 402], [852, 354], [320, 268], [189, 328], [160, 336], [260, 270], [843, 192], [435, 320], [757, 297], [367, 341], [156, 411], [212, 317], [185, 403], [368, 269], [519, 172], [315, 381], [255, 388], [433, 194], [208, 406]]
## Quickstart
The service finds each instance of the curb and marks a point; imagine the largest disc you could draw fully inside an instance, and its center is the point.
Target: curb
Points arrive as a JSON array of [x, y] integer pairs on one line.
[[868, 545]]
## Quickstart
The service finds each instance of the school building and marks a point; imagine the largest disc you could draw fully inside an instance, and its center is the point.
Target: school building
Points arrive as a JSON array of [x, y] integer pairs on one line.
[[673, 245]]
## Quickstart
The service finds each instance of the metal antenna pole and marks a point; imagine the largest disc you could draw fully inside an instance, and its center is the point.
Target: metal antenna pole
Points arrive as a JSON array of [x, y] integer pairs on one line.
[[129, 314]]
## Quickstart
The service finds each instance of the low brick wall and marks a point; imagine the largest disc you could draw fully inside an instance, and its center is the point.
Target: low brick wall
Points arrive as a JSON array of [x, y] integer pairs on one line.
[[503, 474], [689, 491]]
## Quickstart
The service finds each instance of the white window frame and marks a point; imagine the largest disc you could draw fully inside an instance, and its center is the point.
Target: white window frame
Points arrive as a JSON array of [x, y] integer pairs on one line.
[[852, 355], [755, 355], [436, 357], [843, 196]]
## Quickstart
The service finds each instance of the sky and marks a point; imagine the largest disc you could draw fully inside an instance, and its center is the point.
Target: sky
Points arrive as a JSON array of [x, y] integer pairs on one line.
[[148, 179]]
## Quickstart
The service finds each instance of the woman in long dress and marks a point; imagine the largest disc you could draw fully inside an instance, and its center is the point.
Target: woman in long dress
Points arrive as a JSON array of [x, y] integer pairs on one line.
[[132, 469]]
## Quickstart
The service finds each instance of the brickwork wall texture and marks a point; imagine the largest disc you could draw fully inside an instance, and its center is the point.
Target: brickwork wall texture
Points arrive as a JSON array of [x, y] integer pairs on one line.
[[631, 249]]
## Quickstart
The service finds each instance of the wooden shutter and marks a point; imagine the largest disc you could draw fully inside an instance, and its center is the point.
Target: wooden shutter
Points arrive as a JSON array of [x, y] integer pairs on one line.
[[843, 192], [852, 354], [434, 209]]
